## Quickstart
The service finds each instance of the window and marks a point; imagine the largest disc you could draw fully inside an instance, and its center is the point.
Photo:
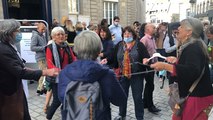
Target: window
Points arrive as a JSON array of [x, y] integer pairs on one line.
[[207, 6], [198, 9], [204, 8], [158, 21], [110, 10], [73, 6]]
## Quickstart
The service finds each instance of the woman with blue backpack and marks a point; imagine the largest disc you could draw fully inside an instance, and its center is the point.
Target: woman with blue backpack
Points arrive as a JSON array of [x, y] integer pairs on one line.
[[80, 103]]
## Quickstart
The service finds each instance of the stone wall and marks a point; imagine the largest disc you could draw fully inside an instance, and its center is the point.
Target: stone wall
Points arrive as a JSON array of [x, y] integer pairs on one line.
[[59, 9], [1, 10], [128, 10], [122, 12]]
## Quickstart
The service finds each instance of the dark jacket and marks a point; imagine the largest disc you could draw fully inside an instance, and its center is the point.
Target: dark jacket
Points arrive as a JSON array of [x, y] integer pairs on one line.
[[70, 35], [188, 69], [142, 53], [91, 71], [13, 104], [108, 50]]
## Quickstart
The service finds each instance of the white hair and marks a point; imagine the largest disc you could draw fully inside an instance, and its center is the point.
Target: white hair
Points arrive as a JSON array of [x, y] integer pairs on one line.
[[56, 30]]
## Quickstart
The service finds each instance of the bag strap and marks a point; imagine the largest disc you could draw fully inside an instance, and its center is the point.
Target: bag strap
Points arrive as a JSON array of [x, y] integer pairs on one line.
[[196, 82]]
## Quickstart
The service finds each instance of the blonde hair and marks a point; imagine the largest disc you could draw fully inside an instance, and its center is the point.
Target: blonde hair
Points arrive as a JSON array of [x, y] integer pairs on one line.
[[69, 26], [63, 20]]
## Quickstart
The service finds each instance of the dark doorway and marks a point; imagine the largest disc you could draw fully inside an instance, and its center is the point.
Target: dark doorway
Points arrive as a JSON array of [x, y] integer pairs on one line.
[[28, 9]]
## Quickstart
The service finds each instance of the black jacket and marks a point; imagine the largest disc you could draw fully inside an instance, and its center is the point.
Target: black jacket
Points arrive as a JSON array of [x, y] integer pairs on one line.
[[13, 105], [188, 69], [142, 53]]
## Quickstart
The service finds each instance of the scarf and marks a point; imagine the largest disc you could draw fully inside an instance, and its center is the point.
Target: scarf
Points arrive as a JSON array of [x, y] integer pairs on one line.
[[56, 58], [184, 45], [126, 62]]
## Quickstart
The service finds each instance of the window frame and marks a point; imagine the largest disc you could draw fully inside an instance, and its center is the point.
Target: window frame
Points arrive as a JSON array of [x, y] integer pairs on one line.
[[74, 8], [110, 10]]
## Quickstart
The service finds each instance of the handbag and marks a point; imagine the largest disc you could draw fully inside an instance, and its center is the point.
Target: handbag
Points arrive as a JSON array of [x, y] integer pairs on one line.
[[51, 79], [175, 102]]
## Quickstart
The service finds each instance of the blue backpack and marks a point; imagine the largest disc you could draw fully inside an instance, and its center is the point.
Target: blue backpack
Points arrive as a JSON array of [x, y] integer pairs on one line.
[[82, 101]]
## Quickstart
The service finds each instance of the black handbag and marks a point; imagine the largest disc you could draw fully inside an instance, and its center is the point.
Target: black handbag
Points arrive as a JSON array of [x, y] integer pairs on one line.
[[51, 79], [175, 102]]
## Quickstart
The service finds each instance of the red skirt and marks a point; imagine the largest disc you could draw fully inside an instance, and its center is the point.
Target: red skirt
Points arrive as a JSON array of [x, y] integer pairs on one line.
[[193, 109]]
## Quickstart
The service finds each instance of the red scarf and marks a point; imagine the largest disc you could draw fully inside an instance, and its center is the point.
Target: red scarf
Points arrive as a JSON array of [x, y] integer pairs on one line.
[[126, 64]]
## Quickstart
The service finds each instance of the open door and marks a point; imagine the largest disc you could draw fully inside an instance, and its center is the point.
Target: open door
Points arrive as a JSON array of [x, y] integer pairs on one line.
[[28, 9]]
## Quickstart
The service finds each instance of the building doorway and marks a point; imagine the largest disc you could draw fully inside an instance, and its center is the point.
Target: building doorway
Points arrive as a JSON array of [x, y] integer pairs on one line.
[[28, 9]]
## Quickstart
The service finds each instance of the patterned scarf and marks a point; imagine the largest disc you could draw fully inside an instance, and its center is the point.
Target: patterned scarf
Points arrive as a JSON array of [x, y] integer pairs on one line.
[[56, 55], [126, 61]]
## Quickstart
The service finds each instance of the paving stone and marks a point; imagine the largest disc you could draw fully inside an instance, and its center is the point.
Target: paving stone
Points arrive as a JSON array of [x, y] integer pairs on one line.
[[160, 97]]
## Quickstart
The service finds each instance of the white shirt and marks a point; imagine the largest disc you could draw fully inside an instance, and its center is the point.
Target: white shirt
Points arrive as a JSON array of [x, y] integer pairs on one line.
[[166, 44]]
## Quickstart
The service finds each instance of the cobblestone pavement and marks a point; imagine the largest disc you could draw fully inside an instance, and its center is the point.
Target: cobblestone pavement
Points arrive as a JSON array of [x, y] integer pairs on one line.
[[160, 99]]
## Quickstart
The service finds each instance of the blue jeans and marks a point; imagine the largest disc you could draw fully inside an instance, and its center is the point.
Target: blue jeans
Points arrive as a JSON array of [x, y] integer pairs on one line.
[[136, 83]]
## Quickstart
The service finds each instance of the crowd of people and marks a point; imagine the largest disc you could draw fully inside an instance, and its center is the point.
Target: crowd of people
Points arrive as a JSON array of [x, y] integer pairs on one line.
[[115, 56]]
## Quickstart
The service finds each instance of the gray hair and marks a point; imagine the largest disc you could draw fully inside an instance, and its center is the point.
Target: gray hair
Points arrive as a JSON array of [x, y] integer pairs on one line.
[[196, 26], [7, 28], [87, 45], [56, 30], [209, 29], [193, 24]]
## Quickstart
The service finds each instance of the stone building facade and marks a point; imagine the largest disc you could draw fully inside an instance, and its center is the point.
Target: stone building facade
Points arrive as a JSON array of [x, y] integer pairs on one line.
[[95, 10], [202, 9], [128, 10], [158, 11], [1, 11]]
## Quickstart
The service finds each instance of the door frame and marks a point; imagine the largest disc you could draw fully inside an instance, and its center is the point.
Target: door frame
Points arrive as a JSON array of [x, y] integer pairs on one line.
[[46, 7]]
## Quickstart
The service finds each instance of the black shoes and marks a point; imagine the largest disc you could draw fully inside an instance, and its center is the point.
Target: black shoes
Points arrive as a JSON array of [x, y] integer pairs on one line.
[[153, 109], [41, 92], [31, 81]]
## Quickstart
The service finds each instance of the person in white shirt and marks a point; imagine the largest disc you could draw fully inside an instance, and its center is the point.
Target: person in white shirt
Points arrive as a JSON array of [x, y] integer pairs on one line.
[[116, 30], [170, 43]]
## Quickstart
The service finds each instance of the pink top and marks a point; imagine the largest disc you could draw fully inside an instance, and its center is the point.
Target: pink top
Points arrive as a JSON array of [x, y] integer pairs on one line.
[[150, 45]]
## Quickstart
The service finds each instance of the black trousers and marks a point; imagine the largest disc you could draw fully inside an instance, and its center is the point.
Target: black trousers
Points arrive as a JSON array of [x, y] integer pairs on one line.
[[148, 90], [136, 83], [55, 103]]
